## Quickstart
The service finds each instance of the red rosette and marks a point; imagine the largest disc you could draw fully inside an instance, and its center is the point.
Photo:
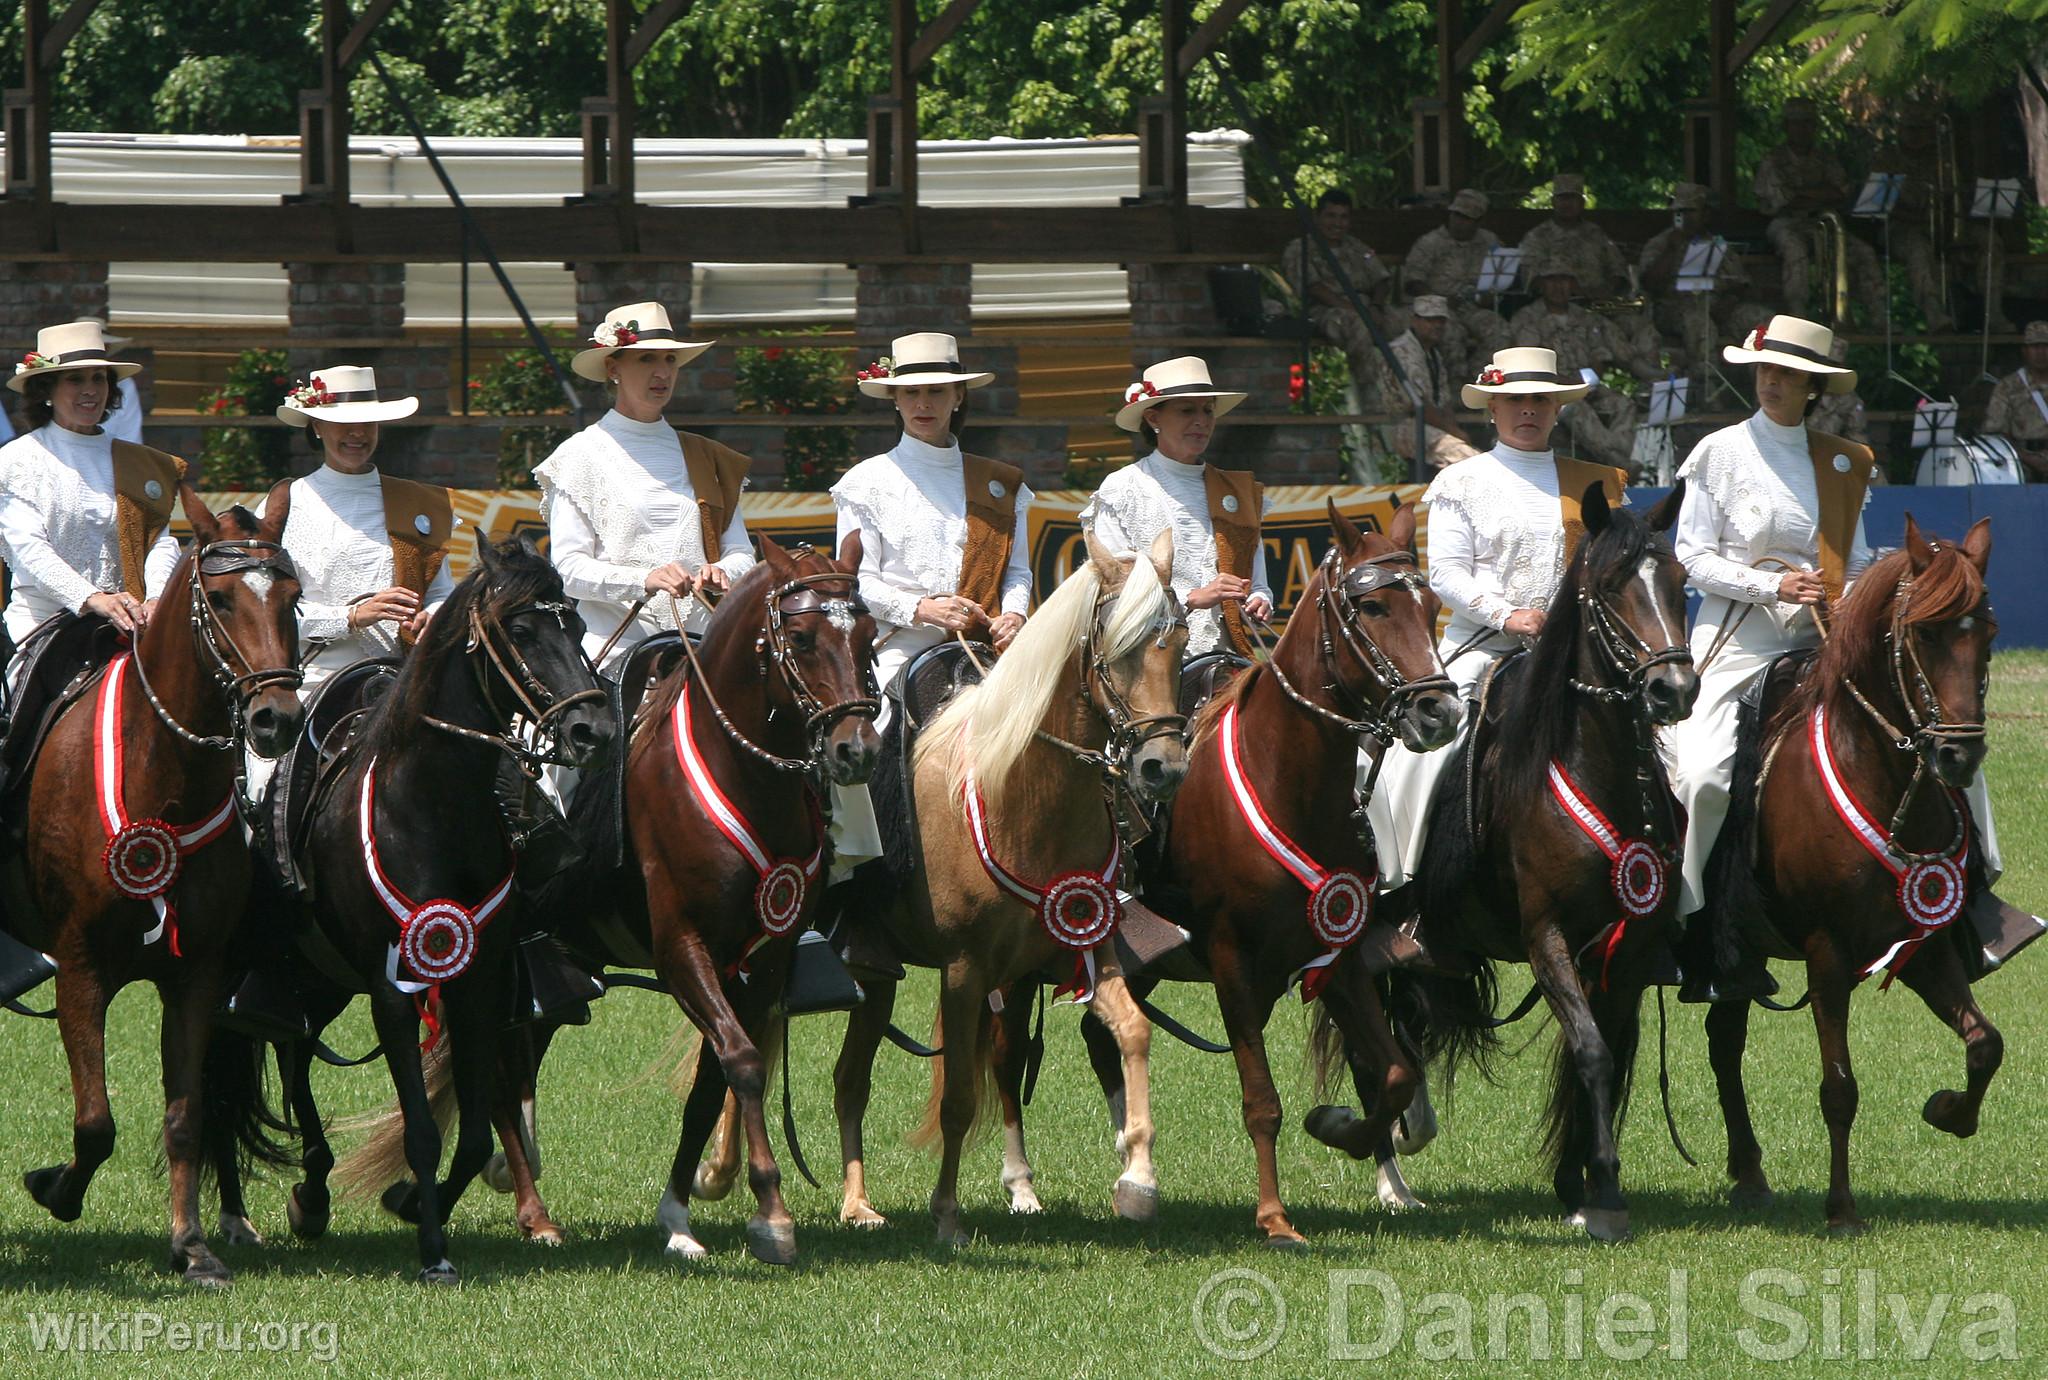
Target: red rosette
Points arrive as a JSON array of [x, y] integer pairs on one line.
[[142, 860], [438, 941], [779, 897], [1931, 893], [1756, 339], [1638, 878], [1339, 908], [1491, 378], [1079, 910]]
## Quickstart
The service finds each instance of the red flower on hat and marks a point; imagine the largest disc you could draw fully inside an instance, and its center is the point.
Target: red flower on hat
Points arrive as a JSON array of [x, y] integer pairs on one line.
[[1490, 377], [878, 370], [32, 360], [312, 394], [1143, 388], [1755, 340]]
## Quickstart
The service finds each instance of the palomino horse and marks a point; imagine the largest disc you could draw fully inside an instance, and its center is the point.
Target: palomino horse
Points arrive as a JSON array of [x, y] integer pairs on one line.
[[1552, 843], [1851, 858], [727, 757], [414, 902], [135, 865], [1020, 859], [1267, 863]]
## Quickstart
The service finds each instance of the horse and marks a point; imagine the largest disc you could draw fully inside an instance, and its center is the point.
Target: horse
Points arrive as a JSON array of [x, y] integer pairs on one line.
[[133, 866], [1280, 889], [1837, 845], [1020, 859], [414, 901], [1554, 842]]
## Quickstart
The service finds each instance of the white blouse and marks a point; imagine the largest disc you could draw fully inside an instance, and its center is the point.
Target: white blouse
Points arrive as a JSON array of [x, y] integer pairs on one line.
[[910, 507], [1496, 538], [58, 526], [1139, 501], [1750, 497], [618, 502], [339, 541]]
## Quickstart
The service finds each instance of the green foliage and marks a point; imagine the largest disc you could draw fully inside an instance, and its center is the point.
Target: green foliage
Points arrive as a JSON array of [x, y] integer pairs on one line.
[[800, 381], [240, 457], [519, 384]]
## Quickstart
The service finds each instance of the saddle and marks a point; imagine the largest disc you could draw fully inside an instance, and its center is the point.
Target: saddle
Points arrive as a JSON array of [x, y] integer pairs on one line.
[[597, 815], [334, 713], [59, 661]]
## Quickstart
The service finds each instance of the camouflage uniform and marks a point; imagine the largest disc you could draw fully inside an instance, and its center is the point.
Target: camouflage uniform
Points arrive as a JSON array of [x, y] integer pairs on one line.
[[1785, 176], [1679, 315], [1604, 423], [1450, 268], [1438, 383], [1582, 247], [1305, 269], [2014, 415]]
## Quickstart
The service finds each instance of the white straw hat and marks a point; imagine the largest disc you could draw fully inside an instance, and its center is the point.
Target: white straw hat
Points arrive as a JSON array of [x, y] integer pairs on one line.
[[636, 326], [1184, 377], [1523, 370], [73, 345], [1795, 344], [913, 360], [342, 393]]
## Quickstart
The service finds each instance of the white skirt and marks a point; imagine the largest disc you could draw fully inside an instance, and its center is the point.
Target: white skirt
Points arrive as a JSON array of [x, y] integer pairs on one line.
[[856, 837], [1400, 805]]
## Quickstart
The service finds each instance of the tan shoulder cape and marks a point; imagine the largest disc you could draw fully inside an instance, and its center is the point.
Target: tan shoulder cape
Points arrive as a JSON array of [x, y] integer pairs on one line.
[[717, 474], [1236, 500], [145, 492], [1842, 487], [991, 488], [1574, 477]]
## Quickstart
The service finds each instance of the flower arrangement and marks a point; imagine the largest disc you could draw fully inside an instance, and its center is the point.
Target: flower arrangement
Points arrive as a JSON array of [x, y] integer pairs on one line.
[[32, 360], [878, 370], [616, 335], [1143, 388], [796, 380], [308, 395], [1490, 377]]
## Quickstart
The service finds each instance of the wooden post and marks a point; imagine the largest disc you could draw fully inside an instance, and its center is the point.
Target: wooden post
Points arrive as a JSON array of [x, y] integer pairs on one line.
[[27, 124], [892, 126], [1163, 119], [1442, 145], [1720, 167]]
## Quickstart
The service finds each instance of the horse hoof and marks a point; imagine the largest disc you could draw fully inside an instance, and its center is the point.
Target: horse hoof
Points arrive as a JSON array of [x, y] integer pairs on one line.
[[42, 1186], [1751, 1196], [545, 1234], [1847, 1226], [683, 1246], [402, 1200], [710, 1185], [239, 1231], [442, 1272], [498, 1173], [863, 1216], [204, 1270], [1603, 1224], [952, 1238], [1286, 1239], [1943, 1114], [771, 1243], [1024, 1202], [1396, 1196], [1136, 1202], [308, 1224], [1331, 1125]]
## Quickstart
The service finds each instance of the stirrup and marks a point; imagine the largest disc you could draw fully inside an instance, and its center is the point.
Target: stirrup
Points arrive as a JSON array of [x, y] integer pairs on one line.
[[266, 1007]]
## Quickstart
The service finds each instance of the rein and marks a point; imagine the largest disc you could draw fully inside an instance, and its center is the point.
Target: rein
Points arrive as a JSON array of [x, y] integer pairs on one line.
[[535, 701], [208, 633]]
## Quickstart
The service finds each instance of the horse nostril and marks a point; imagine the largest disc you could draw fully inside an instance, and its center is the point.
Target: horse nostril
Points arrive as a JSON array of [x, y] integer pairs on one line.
[[1153, 770]]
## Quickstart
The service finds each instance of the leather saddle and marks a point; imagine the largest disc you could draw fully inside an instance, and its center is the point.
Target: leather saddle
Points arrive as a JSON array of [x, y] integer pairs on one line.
[[333, 714], [57, 663]]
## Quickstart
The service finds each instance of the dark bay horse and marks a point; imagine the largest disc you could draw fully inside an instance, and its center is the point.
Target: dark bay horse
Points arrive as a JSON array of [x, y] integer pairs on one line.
[[1851, 855], [413, 897], [134, 867], [1553, 840]]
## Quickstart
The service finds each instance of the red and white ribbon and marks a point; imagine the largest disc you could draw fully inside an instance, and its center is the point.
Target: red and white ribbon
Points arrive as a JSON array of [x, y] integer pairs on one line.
[[143, 856], [437, 940], [1078, 910], [1340, 901], [783, 885], [1639, 875], [1931, 892]]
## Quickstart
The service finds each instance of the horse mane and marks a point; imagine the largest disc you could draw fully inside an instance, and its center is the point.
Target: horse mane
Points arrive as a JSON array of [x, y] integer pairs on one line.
[[999, 718], [1948, 588], [523, 576], [1534, 725]]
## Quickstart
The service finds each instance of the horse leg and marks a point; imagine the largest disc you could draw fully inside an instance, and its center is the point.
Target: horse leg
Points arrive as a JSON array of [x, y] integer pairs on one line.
[[1245, 1013], [1386, 1076], [397, 1025], [1137, 1189], [222, 1151], [1106, 1059], [308, 1207], [1936, 976], [1392, 1188], [1831, 987], [1581, 1112], [720, 1170], [1727, 1037], [188, 1004], [1010, 1055], [515, 1117], [961, 1002], [471, 1014], [852, 1082], [82, 1019], [705, 1106]]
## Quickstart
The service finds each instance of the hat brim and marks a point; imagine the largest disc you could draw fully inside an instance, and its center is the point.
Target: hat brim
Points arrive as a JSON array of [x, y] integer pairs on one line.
[[882, 388], [589, 364], [1835, 378], [121, 370], [381, 411], [1129, 415], [1475, 395]]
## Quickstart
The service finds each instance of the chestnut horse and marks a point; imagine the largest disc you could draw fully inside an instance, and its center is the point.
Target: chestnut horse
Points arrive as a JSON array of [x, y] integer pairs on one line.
[[134, 860], [1895, 696], [1015, 844], [1553, 840]]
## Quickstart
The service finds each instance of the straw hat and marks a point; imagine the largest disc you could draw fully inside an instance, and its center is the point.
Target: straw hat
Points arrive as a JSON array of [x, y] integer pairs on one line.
[[1795, 344], [1523, 370], [637, 326], [1184, 377], [342, 393], [915, 360], [73, 345]]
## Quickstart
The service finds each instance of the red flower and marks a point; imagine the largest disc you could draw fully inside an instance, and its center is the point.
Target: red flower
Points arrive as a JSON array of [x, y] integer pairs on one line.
[[1143, 388], [1492, 378], [772, 353], [1756, 339]]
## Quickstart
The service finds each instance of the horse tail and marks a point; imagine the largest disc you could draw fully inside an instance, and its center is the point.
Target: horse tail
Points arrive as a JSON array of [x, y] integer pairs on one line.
[[238, 1124], [1447, 1018], [1621, 1027], [929, 1133], [379, 1161]]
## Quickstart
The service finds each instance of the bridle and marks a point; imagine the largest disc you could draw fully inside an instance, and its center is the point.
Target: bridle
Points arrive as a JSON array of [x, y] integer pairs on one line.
[[1337, 606], [1625, 651], [796, 597], [1129, 730], [534, 700], [216, 644]]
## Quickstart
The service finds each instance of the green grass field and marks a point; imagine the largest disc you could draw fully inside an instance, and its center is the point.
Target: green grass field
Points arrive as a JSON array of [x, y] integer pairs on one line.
[[1958, 1228]]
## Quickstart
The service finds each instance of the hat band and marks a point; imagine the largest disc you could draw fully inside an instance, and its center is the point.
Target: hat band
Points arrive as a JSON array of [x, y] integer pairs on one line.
[[1785, 347], [96, 355], [352, 395], [944, 366], [1187, 388], [643, 338], [1532, 376]]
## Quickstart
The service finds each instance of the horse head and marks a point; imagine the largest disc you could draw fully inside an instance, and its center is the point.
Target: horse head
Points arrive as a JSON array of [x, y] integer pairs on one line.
[[1631, 590], [1132, 654], [1379, 629], [820, 637], [244, 618], [1942, 630], [528, 639]]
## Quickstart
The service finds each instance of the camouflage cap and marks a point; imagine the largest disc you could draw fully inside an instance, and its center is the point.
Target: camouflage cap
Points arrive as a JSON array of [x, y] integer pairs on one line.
[[1568, 184], [1690, 196], [1470, 203], [2036, 333], [1431, 305]]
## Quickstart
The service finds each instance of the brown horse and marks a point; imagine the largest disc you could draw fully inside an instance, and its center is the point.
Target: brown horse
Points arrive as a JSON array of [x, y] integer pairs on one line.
[[1553, 840], [1838, 872], [135, 866], [1016, 845]]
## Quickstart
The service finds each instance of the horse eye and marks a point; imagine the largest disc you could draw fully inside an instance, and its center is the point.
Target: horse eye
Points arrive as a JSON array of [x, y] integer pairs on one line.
[[220, 599], [522, 633], [1965, 623], [1373, 608]]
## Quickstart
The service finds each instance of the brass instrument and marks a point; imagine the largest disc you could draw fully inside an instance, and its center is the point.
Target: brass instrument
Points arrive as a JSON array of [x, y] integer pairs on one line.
[[1945, 207], [1831, 256]]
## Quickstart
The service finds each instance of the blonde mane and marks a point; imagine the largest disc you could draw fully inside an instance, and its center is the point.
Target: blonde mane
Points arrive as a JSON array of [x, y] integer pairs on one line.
[[989, 726]]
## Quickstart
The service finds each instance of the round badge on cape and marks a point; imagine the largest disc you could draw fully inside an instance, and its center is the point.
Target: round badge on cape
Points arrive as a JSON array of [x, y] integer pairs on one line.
[[1230, 503], [422, 524], [154, 488], [996, 488], [1841, 464]]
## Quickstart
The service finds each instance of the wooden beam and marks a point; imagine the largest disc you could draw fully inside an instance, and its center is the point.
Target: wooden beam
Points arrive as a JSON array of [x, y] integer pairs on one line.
[[1490, 25], [358, 39], [1721, 92], [59, 35], [1210, 34], [938, 31], [653, 25], [1767, 24], [1450, 89]]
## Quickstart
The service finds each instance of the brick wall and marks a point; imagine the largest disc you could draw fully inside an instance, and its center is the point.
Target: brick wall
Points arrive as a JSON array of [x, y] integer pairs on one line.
[[35, 295]]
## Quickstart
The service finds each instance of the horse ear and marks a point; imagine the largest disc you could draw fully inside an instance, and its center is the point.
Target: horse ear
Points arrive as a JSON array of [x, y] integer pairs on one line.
[[1917, 549], [205, 526], [1344, 529], [277, 510], [1161, 556], [772, 552], [1593, 508], [486, 554], [1664, 516], [528, 546], [1401, 531], [850, 552], [1977, 544], [1108, 569]]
